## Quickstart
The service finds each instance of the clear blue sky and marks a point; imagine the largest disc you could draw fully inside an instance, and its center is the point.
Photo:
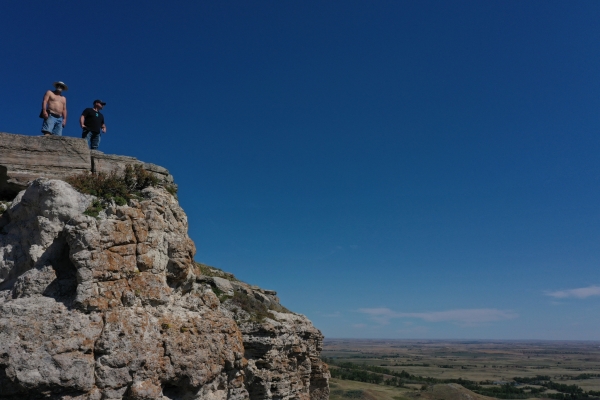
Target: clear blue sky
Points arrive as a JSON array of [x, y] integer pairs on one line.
[[394, 169]]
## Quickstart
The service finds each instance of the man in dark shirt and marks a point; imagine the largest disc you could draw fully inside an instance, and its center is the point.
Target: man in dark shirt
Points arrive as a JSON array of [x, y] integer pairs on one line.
[[92, 123]]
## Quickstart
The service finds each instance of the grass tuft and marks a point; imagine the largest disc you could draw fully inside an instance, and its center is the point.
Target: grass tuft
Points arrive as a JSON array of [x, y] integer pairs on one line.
[[207, 270], [94, 209], [4, 206]]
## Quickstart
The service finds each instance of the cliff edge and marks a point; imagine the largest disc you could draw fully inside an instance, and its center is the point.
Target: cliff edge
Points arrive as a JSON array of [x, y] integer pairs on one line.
[[115, 307]]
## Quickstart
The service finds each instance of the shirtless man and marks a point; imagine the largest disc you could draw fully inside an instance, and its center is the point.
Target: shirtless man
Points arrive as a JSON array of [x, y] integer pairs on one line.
[[54, 110]]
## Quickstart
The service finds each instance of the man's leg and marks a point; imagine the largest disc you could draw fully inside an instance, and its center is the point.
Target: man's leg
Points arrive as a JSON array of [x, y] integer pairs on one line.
[[57, 130], [86, 135], [95, 140], [48, 125]]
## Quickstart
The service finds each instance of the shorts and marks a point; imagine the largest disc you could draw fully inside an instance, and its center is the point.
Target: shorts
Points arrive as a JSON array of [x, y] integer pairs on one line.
[[53, 125]]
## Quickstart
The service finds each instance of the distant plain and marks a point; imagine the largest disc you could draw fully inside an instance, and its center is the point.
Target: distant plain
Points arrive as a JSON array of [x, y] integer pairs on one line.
[[568, 362]]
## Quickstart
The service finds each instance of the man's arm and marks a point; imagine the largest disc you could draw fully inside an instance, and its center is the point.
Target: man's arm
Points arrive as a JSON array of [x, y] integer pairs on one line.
[[82, 121], [64, 114], [103, 128], [45, 104]]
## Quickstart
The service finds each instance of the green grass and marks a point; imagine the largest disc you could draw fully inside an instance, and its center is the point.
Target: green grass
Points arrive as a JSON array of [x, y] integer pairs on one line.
[[94, 209]]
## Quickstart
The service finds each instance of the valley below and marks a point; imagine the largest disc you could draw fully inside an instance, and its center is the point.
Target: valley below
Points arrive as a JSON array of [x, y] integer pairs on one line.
[[469, 370]]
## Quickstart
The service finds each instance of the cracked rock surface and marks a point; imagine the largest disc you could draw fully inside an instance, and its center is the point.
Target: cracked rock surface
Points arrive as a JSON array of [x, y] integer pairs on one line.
[[116, 308]]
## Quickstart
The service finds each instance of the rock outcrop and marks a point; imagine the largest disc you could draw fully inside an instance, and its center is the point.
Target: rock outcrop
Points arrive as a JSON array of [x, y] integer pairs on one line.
[[25, 158], [115, 307], [283, 350]]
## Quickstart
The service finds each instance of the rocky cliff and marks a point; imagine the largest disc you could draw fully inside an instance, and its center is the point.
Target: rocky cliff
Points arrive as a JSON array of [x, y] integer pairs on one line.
[[114, 307]]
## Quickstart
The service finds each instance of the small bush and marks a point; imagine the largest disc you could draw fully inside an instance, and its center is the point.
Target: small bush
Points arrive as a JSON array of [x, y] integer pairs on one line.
[[115, 187], [137, 178], [171, 189], [221, 295], [4, 206], [104, 186], [94, 209]]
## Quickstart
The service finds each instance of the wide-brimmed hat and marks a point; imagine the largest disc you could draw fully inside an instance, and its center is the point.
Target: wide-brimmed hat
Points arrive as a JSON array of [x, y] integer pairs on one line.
[[64, 85], [99, 101]]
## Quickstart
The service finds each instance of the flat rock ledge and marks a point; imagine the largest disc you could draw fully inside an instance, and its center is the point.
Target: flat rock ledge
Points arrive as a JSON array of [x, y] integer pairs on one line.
[[24, 158]]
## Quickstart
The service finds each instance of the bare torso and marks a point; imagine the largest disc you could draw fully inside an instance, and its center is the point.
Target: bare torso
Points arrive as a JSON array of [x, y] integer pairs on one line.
[[56, 103]]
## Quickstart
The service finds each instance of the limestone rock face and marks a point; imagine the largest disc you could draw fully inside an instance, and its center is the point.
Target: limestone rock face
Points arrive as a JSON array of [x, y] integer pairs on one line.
[[282, 348], [114, 307], [283, 358]]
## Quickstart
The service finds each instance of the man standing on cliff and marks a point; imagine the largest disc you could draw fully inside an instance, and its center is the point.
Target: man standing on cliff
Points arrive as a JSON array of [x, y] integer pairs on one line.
[[54, 110], [92, 123]]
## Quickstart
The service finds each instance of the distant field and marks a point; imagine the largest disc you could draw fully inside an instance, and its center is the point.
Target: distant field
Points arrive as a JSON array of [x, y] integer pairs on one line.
[[568, 363], [348, 390]]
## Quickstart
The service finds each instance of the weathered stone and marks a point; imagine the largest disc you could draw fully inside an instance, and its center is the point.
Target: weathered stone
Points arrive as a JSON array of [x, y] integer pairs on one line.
[[25, 158], [53, 353], [115, 307], [108, 163], [35, 241], [223, 285], [283, 353]]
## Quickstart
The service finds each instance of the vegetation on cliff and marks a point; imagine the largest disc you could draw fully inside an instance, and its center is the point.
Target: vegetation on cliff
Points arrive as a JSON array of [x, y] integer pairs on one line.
[[253, 302], [4, 206], [114, 187], [207, 270]]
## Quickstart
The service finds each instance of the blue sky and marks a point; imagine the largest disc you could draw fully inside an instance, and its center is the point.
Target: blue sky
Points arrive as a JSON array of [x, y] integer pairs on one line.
[[394, 169]]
